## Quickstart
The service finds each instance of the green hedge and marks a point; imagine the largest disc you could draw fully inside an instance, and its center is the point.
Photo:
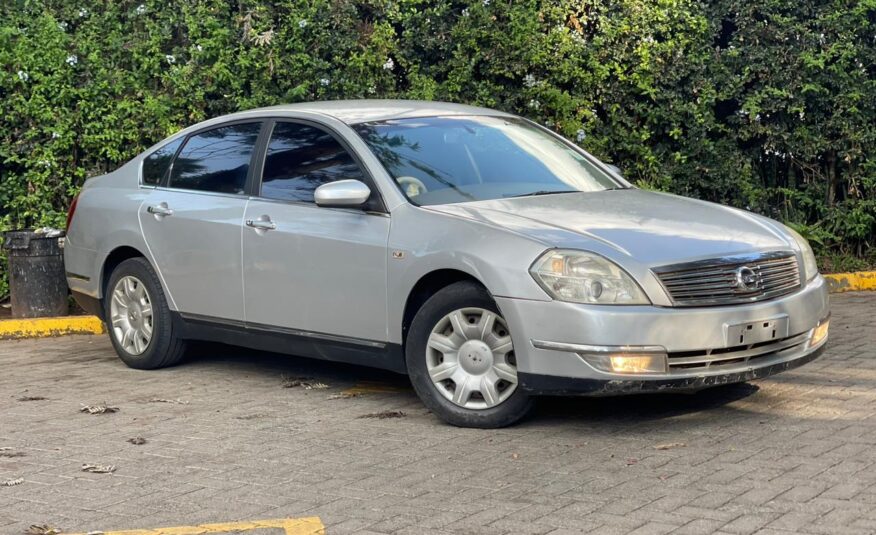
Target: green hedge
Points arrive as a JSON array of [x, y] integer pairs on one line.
[[766, 105]]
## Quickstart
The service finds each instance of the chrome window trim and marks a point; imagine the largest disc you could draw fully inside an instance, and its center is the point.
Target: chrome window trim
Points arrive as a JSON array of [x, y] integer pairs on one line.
[[240, 196]]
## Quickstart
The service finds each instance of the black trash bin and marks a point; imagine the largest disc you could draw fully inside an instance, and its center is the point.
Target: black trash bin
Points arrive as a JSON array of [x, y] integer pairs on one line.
[[37, 283]]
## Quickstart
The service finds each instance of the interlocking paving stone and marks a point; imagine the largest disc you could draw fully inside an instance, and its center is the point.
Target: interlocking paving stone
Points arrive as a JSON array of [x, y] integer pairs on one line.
[[794, 453]]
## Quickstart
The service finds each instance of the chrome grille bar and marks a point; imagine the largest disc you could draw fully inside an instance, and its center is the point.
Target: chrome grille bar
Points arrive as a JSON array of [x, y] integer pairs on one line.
[[731, 280], [710, 357]]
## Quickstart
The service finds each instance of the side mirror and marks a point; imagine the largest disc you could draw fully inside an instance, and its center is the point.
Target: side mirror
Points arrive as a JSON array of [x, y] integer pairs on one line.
[[343, 194]]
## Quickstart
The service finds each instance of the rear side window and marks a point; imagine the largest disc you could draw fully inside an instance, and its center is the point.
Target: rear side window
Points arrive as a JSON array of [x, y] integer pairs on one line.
[[217, 160], [155, 165], [301, 158]]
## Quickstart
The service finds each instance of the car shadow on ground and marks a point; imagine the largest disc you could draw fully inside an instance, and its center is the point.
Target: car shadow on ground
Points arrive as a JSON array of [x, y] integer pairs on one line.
[[632, 408]]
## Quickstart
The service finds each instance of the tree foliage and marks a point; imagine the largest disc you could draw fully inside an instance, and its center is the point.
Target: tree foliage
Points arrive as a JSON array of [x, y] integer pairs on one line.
[[765, 105]]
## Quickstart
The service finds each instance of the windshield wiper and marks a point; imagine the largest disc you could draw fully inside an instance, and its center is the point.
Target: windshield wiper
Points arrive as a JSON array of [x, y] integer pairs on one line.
[[542, 192]]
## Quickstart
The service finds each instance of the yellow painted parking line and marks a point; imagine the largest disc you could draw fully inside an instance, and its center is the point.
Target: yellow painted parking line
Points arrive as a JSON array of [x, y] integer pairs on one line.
[[39, 327], [851, 282], [293, 526]]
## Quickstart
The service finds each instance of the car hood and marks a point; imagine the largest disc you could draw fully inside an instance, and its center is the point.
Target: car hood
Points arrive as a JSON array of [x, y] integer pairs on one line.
[[653, 228]]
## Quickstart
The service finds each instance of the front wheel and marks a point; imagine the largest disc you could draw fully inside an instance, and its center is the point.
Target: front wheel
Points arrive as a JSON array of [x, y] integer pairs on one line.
[[138, 318], [461, 359]]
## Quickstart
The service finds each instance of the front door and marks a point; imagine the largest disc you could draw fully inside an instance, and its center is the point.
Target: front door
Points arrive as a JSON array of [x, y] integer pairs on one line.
[[321, 271], [193, 225]]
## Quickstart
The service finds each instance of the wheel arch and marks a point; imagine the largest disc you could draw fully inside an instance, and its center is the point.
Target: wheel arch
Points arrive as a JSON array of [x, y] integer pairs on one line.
[[427, 285], [113, 259]]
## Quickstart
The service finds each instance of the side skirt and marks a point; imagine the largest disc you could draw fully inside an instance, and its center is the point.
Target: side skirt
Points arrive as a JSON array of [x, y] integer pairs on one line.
[[374, 354]]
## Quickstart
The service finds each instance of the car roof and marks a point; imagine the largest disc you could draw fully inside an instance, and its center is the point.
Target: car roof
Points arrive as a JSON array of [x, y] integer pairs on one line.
[[367, 110]]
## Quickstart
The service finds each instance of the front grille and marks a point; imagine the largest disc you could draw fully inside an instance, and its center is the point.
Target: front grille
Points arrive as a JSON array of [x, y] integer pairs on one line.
[[728, 281], [698, 360]]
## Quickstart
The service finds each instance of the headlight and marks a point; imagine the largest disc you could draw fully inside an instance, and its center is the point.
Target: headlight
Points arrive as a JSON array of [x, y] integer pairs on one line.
[[810, 266], [581, 277]]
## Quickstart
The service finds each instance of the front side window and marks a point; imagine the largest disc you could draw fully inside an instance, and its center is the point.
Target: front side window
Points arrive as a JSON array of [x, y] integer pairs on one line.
[[155, 165], [300, 158], [440, 160], [217, 160]]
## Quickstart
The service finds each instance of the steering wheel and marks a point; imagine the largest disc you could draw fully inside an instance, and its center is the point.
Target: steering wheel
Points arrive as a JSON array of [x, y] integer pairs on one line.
[[412, 186]]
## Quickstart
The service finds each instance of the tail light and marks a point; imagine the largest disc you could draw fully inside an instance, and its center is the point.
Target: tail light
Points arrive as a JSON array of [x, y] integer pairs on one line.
[[72, 210]]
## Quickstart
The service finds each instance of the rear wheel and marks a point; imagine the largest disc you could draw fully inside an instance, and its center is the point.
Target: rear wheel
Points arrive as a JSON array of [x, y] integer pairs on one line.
[[461, 359], [138, 318]]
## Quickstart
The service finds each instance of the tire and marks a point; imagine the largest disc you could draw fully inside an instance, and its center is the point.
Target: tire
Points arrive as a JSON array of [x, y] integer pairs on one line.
[[163, 348], [475, 359]]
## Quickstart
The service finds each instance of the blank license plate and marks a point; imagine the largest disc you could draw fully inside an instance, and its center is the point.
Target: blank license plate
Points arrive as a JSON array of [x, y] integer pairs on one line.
[[755, 332]]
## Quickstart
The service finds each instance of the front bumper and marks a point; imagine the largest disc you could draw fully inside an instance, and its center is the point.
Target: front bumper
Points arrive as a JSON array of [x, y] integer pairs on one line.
[[557, 369]]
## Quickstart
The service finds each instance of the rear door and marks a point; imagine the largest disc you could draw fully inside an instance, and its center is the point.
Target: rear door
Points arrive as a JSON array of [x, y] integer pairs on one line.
[[192, 222], [312, 269]]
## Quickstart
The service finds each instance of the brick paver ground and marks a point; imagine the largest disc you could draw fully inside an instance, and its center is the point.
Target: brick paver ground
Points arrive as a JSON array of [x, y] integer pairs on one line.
[[795, 453]]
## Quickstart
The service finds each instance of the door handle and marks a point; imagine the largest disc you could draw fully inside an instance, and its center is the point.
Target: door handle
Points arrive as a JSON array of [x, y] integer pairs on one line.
[[160, 209], [261, 224]]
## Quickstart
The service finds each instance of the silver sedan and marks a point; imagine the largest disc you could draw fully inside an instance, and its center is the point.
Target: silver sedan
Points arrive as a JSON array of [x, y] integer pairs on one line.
[[481, 254]]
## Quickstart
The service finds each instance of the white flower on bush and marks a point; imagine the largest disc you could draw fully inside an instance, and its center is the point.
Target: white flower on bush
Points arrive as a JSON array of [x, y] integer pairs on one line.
[[199, 48], [72, 60], [55, 135], [534, 104], [465, 12], [63, 26], [485, 2], [529, 80], [83, 12], [302, 23], [323, 82], [389, 65], [23, 76], [140, 9], [170, 58], [580, 135]]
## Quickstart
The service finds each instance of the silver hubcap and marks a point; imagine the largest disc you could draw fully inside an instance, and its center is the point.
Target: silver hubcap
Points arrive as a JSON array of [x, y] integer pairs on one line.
[[470, 358], [131, 314]]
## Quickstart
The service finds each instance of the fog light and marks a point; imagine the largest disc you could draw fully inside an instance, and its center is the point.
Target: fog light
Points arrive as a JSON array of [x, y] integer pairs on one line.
[[638, 363], [627, 363], [819, 334]]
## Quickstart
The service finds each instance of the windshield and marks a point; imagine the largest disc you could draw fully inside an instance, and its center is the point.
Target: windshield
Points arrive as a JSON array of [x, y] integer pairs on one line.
[[441, 160]]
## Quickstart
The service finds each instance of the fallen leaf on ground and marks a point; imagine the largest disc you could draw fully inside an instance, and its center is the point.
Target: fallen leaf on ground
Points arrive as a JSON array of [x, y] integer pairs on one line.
[[252, 416], [99, 468], [42, 529], [670, 445], [384, 415], [32, 398], [307, 383], [515, 456], [631, 461], [174, 401], [137, 441], [345, 395], [102, 408], [12, 482]]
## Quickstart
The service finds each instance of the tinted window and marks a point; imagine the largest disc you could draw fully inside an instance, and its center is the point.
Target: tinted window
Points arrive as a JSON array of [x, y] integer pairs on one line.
[[216, 160], [301, 158], [156, 164]]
